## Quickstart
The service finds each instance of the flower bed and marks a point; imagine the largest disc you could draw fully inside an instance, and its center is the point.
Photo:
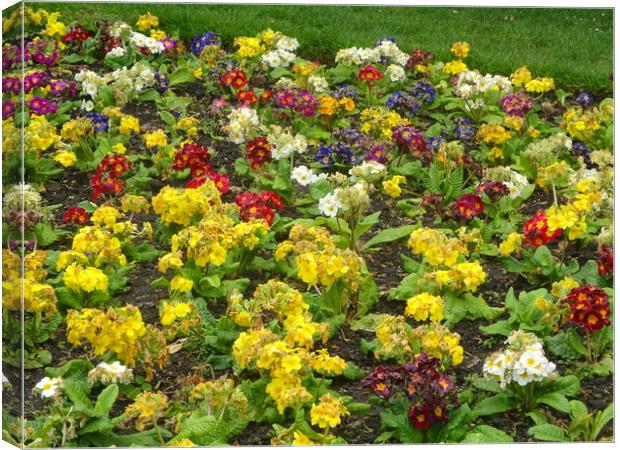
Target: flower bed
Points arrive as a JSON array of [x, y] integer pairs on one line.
[[243, 246]]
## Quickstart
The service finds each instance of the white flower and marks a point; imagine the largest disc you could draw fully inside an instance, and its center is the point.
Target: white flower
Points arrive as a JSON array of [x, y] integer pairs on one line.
[[90, 88], [329, 205], [48, 386], [116, 52], [272, 59], [87, 105], [395, 73], [302, 175], [287, 43], [111, 373], [318, 83]]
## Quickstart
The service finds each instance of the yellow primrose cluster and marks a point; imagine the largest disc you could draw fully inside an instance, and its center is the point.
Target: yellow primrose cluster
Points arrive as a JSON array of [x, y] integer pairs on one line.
[[460, 49], [494, 134], [135, 204], [87, 279], [398, 340], [521, 76], [425, 306], [465, 276], [53, 27], [540, 85], [128, 124], [170, 312], [116, 329], [97, 242], [40, 134], [155, 139], [454, 67], [147, 21], [380, 121], [11, 137], [288, 358], [327, 412], [183, 206], [392, 186], [37, 297], [65, 158], [580, 124], [220, 394], [510, 244], [249, 46], [75, 129], [33, 265], [317, 259], [328, 105], [31, 17], [554, 174], [435, 246], [148, 408], [187, 124], [215, 235]]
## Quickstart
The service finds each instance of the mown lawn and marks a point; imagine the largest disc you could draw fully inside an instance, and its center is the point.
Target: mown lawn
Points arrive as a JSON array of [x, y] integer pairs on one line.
[[575, 46]]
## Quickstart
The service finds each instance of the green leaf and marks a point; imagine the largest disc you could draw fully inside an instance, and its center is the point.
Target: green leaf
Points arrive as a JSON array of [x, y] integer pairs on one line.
[[601, 420], [390, 235], [181, 76], [368, 322], [496, 404], [547, 432], [68, 298], [544, 259], [568, 385], [556, 401], [501, 327], [486, 434], [168, 118], [77, 393], [367, 295], [359, 409], [486, 385], [45, 234], [106, 399]]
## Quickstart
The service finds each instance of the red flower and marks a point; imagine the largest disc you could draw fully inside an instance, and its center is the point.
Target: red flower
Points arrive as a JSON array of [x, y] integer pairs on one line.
[[258, 206], [247, 97], [468, 206], [536, 230], [272, 200], [369, 74], [420, 416], [494, 189], [258, 151], [235, 78], [75, 215], [589, 307], [266, 95], [221, 182], [605, 260]]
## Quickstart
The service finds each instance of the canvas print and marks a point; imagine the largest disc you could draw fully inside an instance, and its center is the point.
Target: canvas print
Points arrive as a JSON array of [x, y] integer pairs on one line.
[[306, 225]]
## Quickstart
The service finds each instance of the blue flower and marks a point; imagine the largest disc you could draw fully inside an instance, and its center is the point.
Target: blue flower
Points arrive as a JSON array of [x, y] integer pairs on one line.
[[325, 155], [203, 40], [433, 142], [100, 122], [394, 100], [163, 83], [584, 99]]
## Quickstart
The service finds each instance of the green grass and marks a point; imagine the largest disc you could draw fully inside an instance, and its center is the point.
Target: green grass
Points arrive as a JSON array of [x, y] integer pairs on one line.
[[575, 46]]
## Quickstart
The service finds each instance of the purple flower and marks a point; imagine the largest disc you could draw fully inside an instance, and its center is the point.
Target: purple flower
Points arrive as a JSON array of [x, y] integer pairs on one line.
[[11, 84], [584, 99], [203, 40], [42, 106], [8, 109]]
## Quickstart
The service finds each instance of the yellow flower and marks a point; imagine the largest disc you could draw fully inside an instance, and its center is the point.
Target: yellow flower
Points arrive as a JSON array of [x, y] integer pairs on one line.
[[328, 412], [198, 72], [392, 187], [327, 105], [129, 124], [460, 49], [301, 439], [512, 242], [155, 139], [533, 132], [147, 21], [425, 306], [181, 284], [65, 158], [119, 148], [248, 46], [540, 85], [454, 67], [170, 261], [494, 133], [158, 34], [521, 76], [171, 312]]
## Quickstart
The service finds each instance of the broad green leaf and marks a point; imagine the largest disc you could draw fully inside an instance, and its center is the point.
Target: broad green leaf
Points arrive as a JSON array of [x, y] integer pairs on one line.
[[390, 235], [547, 432], [496, 404]]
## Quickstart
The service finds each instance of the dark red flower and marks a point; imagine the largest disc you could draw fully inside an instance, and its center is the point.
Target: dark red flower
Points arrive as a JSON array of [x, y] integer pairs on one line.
[[536, 230], [589, 307], [468, 206], [494, 189], [235, 78], [605, 260], [420, 416], [247, 97], [75, 215], [258, 151]]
